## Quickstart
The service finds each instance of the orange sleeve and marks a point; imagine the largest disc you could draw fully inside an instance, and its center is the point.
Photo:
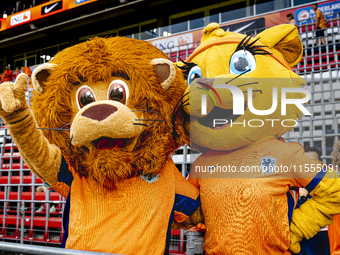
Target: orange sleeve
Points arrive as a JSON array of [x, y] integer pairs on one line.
[[28, 71], [193, 181], [317, 14], [187, 199], [184, 187], [65, 179], [306, 171], [333, 235]]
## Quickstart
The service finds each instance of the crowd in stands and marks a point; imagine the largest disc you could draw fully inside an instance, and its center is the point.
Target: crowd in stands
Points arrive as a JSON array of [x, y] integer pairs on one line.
[[9, 75]]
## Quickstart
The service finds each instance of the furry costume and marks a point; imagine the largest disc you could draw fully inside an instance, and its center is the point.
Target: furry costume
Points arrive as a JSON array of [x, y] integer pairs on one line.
[[118, 96], [251, 212]]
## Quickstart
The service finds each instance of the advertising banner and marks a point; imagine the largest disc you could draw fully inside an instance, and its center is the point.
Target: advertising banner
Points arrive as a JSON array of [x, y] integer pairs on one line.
[[172, 43], [251, 24], [307, 15], [40, 11], [77, 3], [35, 13]]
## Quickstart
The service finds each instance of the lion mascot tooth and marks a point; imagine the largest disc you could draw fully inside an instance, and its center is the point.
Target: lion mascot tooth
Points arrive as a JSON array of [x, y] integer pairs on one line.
[[105, 120], [242, 96]]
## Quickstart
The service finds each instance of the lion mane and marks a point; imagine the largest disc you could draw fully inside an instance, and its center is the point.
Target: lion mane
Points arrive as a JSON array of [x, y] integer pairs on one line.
[[98, 61]]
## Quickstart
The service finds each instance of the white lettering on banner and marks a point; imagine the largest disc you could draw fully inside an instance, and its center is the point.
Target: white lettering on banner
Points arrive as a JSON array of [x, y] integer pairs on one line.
[[81, 1], [20, 18], [306, 15], [303, 15], [174, 43]]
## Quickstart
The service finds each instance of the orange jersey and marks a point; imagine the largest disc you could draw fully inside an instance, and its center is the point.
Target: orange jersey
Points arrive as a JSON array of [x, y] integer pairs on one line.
[[135, 218], [27, 71], [320, 18], [334, 236], [8, 75], [249, 213]]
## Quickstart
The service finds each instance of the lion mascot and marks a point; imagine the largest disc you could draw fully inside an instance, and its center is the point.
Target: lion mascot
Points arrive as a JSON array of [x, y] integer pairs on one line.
[[103, 125], [243, 98]]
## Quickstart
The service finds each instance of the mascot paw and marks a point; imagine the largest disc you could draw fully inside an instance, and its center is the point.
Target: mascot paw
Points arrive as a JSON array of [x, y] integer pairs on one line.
[[294, 243], [12, 95]]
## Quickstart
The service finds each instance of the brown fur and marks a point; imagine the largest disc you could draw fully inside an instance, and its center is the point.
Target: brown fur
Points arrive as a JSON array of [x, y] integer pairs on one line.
[[100, 60]]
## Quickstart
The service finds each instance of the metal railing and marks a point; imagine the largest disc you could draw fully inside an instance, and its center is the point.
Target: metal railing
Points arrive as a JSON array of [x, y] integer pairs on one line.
[[11, 248], [306, 32]]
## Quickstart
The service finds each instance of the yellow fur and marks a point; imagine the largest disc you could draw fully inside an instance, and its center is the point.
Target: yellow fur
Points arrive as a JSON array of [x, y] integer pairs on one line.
[[214, 63], [213, 57]]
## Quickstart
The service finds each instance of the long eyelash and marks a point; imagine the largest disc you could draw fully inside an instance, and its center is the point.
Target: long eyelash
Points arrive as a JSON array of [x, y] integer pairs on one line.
[[175, 113], [253, 49], [186, 68]]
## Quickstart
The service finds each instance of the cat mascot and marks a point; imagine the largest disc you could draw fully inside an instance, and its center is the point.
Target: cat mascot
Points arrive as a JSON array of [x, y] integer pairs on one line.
[[242, 97]]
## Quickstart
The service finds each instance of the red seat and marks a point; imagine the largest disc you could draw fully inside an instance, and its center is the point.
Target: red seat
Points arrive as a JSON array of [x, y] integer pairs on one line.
[[176, 237], [191, 51], [14, 155], [3, 179], [54, 196], [26, 179], [336, 23], [9, 145], [183, 53], [38, 221], [173, 54], [13, 196], [14, 166]]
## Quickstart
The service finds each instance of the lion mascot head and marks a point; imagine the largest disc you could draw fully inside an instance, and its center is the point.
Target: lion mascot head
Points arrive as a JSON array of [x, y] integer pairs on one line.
[[113, 107]]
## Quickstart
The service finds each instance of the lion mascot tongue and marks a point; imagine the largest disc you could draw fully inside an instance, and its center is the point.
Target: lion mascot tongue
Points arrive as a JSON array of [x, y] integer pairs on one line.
[[242, 97], [107, 123]]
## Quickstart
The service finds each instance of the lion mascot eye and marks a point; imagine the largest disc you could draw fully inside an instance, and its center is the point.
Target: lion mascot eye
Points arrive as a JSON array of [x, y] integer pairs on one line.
[[85, 96], [118, 91]]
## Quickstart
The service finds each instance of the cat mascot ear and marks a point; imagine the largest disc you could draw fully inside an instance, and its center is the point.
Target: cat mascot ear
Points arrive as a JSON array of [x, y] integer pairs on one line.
[[285, 41]]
